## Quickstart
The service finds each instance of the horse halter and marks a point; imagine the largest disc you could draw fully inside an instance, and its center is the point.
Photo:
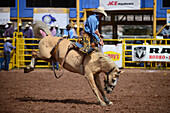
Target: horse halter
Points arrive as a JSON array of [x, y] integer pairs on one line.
[[107, 73]]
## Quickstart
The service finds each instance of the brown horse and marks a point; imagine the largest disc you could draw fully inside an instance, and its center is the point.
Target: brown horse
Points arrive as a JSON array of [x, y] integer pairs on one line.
[[90, 66]]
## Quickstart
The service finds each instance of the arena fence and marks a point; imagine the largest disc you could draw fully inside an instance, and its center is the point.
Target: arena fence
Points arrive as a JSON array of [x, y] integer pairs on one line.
[[22, 55], [127, 53]]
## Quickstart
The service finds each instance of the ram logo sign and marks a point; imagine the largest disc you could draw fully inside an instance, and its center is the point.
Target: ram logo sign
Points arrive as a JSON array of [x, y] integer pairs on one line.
[[113, 55]]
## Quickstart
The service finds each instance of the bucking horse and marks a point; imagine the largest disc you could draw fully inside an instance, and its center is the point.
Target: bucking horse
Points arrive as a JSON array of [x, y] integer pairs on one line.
[[52, 49]]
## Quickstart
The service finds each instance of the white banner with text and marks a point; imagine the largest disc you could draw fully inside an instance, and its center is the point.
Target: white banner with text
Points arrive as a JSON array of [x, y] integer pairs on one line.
[[114, 52], [120, 4], [150, 53]]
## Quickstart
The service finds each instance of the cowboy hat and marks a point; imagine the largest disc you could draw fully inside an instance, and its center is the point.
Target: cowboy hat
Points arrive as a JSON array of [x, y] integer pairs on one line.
[[8, 38], [81, 26], [20, 24], [29, 23], [100, 10], [52, 25], [9, 22], [26, 25], [75, 26], [56, 25]]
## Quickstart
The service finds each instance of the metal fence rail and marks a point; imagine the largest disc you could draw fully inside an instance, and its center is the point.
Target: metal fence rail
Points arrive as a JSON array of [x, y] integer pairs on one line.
[[22, 55]]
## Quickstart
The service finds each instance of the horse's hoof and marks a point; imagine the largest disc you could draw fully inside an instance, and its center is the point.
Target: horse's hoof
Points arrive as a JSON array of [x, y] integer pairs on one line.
[[103, 104], [110, 103], [28, 69]]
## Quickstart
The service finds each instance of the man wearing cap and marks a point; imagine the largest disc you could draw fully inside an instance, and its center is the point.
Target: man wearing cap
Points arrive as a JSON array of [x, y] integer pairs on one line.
[[68, 31], [9, 31], [7, 50]]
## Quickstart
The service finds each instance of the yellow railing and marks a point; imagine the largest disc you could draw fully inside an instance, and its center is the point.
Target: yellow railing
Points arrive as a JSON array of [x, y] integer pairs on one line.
[[127, 54], [22, 55]]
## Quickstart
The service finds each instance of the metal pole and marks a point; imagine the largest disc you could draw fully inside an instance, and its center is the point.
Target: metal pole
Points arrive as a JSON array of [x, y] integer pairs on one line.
[[78, 15], [154, 19], [18, 16]]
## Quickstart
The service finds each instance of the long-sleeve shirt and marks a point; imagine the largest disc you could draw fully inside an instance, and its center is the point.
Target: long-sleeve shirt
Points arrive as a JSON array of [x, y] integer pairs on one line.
[[8, 47], [28, 33], [9, 32], [58, 32], [53, 31], [70, 32], [91, 25]]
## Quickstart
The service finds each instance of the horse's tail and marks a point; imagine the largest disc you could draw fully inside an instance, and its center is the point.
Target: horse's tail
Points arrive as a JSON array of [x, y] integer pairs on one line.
[[39, 25]]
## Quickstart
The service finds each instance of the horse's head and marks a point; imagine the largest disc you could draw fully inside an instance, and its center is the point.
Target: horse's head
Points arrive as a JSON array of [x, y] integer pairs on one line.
[[111, 79], [111, 71]]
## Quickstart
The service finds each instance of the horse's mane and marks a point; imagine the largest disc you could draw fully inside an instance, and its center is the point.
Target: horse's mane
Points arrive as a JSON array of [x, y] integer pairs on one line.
[[106, 62]]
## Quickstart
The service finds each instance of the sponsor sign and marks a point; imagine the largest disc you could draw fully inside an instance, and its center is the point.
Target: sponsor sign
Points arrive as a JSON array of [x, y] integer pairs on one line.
[[4, 15], [168, 16], [150, 53], [59, 16], [114, 52], [120, 4]]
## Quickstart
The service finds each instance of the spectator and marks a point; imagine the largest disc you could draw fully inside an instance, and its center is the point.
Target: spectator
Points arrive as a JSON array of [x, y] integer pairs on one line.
[[58, 32], [7, 50], [166, 33], [68, 31], [53, 30], [2, 30], [28, 33], [9, 31], [75, 31], [20, 28], [30, 24]]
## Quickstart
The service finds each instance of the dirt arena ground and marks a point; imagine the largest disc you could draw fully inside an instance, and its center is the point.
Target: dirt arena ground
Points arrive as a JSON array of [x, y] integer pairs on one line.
[[138, 91]]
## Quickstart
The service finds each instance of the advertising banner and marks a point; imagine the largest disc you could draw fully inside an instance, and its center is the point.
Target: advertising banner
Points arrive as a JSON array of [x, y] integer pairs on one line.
[[4, 15], [120, 4], [114, 52], [150, 53], [59, 16]]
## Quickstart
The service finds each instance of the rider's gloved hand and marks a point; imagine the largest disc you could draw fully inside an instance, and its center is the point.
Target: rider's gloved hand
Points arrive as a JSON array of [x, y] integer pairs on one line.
[[101, 42]]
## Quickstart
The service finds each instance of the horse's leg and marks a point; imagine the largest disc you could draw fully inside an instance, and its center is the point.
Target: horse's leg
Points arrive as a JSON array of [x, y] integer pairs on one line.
[[98, 83], [90, 78], [35, 56]]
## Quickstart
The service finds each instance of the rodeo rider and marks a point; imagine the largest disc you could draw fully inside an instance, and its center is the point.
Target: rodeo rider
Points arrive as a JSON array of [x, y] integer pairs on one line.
[[91, 31]]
